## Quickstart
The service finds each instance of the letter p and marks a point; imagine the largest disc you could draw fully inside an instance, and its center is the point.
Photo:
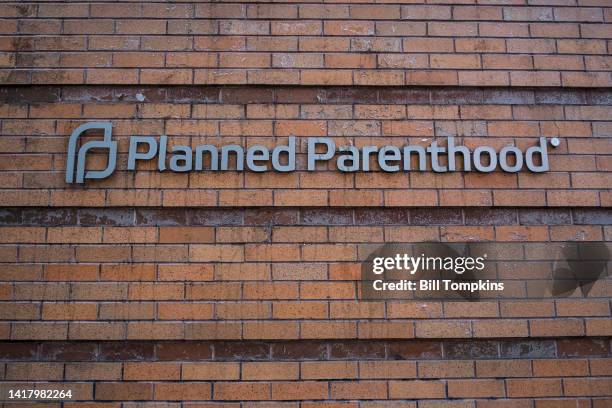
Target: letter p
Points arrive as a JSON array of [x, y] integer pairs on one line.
[[313, 156]]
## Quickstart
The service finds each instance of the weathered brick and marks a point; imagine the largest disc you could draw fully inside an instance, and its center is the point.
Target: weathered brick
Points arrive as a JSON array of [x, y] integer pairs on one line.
[[270, 371], [476, 388], [241, 391], [265, 283], [210, 371], [417, 389], [534, 387]]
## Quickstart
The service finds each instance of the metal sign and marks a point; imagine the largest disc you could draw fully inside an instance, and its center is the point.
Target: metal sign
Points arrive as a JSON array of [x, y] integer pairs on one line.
[[282, 158]]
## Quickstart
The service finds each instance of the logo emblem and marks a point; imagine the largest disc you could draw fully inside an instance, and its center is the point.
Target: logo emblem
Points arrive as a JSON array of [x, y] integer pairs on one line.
[[80, 155]]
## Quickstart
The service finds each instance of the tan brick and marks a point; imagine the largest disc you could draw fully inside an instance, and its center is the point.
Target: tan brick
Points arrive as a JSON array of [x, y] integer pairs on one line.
[[414, 310], [242, 391], [443, 329], [213, 330], [446, 369], [500, 328], [475, 388], [586, 387], [270, 371], [155, 330], [127, 272], [359, 389], [316, 330], [270, 330], [300, 310], [96, 331], [417, 389], [600, 367], [210, 371], [503, 368], [183, 391], [22, 235], [560, 368], [126, 311], [151, 371], [34, 371], [534, 388], [243, 310], [319, 370], [93, 371], [473, 310], [387, 369], [69, 311], [39, 331], [556, 328], [213, 291], [179, 311]]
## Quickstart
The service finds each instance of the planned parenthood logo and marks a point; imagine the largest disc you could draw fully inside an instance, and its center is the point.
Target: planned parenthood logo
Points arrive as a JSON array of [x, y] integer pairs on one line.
[[77, 157], [320, 152]]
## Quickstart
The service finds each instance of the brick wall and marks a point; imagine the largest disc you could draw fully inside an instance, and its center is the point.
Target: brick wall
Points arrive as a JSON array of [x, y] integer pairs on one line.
[[38, 121], [239, 290], [492, 43]]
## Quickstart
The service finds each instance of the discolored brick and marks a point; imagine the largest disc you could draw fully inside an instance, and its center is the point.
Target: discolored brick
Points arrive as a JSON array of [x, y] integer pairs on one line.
[[114, 351], [471, 349], [50, 217], [489, 217], [326, 217], [270, 217], [19, 351], [304, 350], [587, 347], [528, 348], [241, 351], [592, 216], [10, 216], [115, 217], [544, 217], [160, 217], [189, 351], [410, 349], [357, 350]]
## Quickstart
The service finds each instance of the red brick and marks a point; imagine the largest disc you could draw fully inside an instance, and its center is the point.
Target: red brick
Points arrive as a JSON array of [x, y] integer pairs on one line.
[[560, 368], [184, 391], [124, 391], [326, 330], [556, 328], [34, 371], [300, 310], [443, 329], [93, 371], [417, 389], [503, 368], [299, 390], [318, 370], [210, 371], [336, 77], [241, 391], [418, 12], [475, 388], [151, 371], [534, 388], [270, 371]]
